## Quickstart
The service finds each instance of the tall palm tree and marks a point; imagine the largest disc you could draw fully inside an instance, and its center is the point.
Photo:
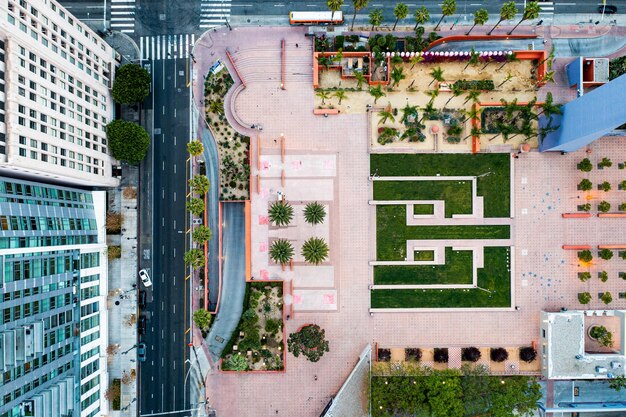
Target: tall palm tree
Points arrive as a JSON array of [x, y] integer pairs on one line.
[[334, 6], [472, 95], [481, 16], [397, 75], [415, 60], [508, 78], [377, 92], [437, 74], [360, 79], [195, 148], [323, 95], [548, 77], [456, 91], [384, 116], [548, 108], [472, 113], [507, 12], [216, 106], [509, 58], [340, 94], [314, 213], [315, 250], [281, 213], [358, 5], [409, 112], [400, 12], [474, 132], [376, 18], [433, 95], [281, 251], [427, 110], [531, 11], [448, 8], [421, 16], [473, 59]]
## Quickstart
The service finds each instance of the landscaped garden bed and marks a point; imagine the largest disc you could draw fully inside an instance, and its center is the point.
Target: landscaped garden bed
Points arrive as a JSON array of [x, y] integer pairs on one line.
[[257, 344], [233, 147]]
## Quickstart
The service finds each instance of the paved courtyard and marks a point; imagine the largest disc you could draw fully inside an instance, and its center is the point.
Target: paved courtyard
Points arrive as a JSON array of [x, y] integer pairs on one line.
[[545, 275]]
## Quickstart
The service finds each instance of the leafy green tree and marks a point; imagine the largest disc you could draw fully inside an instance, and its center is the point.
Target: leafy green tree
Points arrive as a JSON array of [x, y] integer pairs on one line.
[[128, 142], [618, 383], [315, 250], [195, 148], [195, 206], [605, 163], [531, 11], [314, 213], [281, 251], [334, 6], [202, 318], [606, 254], [584, 276], [358, 6], [507, 12], [585, 185], [199, 184], [237, 362], [341, 95], [377, 92], [585, 165], [606, 186], [323, 95], [445, 393], [585, 256], [421, 16], [481, 16], [131, 85], [507, 60], [201, 234], [513, 396], [400, 12], [195, 258], [585, 207], [448, 8], [584, 298], [606, 298], [604, 276], [376, 18], [604, 206], [310, 341], [602, 335]]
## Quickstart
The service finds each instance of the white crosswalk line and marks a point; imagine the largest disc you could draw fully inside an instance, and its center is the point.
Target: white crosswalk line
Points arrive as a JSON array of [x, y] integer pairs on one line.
[[166, 46], [214, 13], [123, 15]]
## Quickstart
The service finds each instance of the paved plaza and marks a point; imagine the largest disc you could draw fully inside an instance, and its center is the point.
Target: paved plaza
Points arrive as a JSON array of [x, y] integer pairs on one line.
[[333, 153]]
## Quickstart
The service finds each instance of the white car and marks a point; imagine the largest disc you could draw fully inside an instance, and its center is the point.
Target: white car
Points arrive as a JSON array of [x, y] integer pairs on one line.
[[145, 278]]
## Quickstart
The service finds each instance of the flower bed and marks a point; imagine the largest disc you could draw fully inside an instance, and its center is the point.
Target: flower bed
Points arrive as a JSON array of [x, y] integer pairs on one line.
[[257, 343]]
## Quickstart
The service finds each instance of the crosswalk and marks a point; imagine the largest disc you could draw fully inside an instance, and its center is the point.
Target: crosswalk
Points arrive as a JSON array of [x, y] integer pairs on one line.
[[123, 15], [214, 13], [547, 9], [166, 46]]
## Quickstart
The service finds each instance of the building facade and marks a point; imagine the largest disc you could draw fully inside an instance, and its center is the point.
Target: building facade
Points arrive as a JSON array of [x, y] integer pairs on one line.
[[53, 288], [55, 75]]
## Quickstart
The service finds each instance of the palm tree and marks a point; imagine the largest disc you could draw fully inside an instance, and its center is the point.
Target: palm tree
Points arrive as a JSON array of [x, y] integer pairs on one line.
[[358, 5], [201, 234], [481, 16], [397, 75], [505, 130], [281, 213], [437, 74], [216, 106], [456, 91], [472, 113], [376, 18], [508, 78], [281, 251], [548, 57], [531, 11], [473, 60], [428, 109], [334, 6], [432, 94], [195, 148], [314, 213], [377, 92], [416, 60], [400, 12], [360, 79], [194, 258], [472, 95], [384, 116], [315, 250], [340, 94], [548, 77], [409, 112], [474, 132], [421, 16], [323, 95], [507, 12], [548, 108], [509, 58], [488, 61], [448, 8]]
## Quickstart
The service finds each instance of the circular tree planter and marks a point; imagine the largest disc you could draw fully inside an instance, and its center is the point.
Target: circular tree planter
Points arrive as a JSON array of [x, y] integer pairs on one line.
[[309, 341], [601, 335]]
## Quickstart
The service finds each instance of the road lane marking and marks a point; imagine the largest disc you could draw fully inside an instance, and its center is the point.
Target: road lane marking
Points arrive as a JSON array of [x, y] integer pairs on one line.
[[174, 112], [162, 333], [174, 307], [162, 305], [174, 168], [174, 220], [163, 169], [174, 364], [174, 252], [174, 200], [174, 140], [162, 249], [162, 193], [162, 221], [163, 109], [174, 336]]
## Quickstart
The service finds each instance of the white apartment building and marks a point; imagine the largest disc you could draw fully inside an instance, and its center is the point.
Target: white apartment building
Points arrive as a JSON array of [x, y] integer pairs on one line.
[[55, 75]]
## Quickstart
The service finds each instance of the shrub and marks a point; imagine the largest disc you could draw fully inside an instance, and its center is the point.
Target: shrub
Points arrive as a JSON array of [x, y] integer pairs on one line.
[[605, 163], [113, 394], [130, 192], [484, 85], [585, 207], [384, 355], [470, 354], [453, 139], [606, 298], [315, 250], [584, 297], [413, 354], [604, 206], [310, 341], [603, 276], [272, 326], [202, 318], [622, 207], [584, 276], [114, 252], [281, 213], [114, 223], [605, 186], [585, 165], [585, 256], [622, 185], [128, 142], [606, 254], [585, 185], [131, 85], [527, 354], [314, 213], [237, 362], [499, 354], [441, 355], [602, 335]]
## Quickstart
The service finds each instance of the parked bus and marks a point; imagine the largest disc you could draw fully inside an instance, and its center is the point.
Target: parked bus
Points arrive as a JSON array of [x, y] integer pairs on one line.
[[315, 18]]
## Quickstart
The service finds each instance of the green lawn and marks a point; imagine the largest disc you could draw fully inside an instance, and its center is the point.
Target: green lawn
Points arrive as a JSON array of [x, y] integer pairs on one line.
[[424, 255], [494, 277], [495, 186], [456, 270], [392, 232], [457, 194], [423, 209]]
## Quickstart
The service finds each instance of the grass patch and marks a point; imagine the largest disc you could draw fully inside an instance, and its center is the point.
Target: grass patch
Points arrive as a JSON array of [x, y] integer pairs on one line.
[[424, 255], [423, 209], [392, 232], [494, 187], [457, 270], [456, 194], [495, 277]]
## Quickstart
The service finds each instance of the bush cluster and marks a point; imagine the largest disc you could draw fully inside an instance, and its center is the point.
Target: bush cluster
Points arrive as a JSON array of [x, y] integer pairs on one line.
[[480, 85]]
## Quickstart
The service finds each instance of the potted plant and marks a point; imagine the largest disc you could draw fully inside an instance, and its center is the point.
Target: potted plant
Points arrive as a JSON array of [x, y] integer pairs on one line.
[[384, 355], [585, 185], [470, 354], [499, 354], [601, 335], [604, 206], [606, 254], [584, 297], [527, 354], [440, 355], [585, 165], [604, 276], [413, 354], [605, 186], [585, 256], [605, 163], [606, 298], [584, 276]]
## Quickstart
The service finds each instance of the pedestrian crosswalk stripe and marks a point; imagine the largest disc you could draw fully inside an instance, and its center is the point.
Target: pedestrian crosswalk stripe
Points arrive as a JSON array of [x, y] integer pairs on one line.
[[166, 46], [214, 13], [123, 15]]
